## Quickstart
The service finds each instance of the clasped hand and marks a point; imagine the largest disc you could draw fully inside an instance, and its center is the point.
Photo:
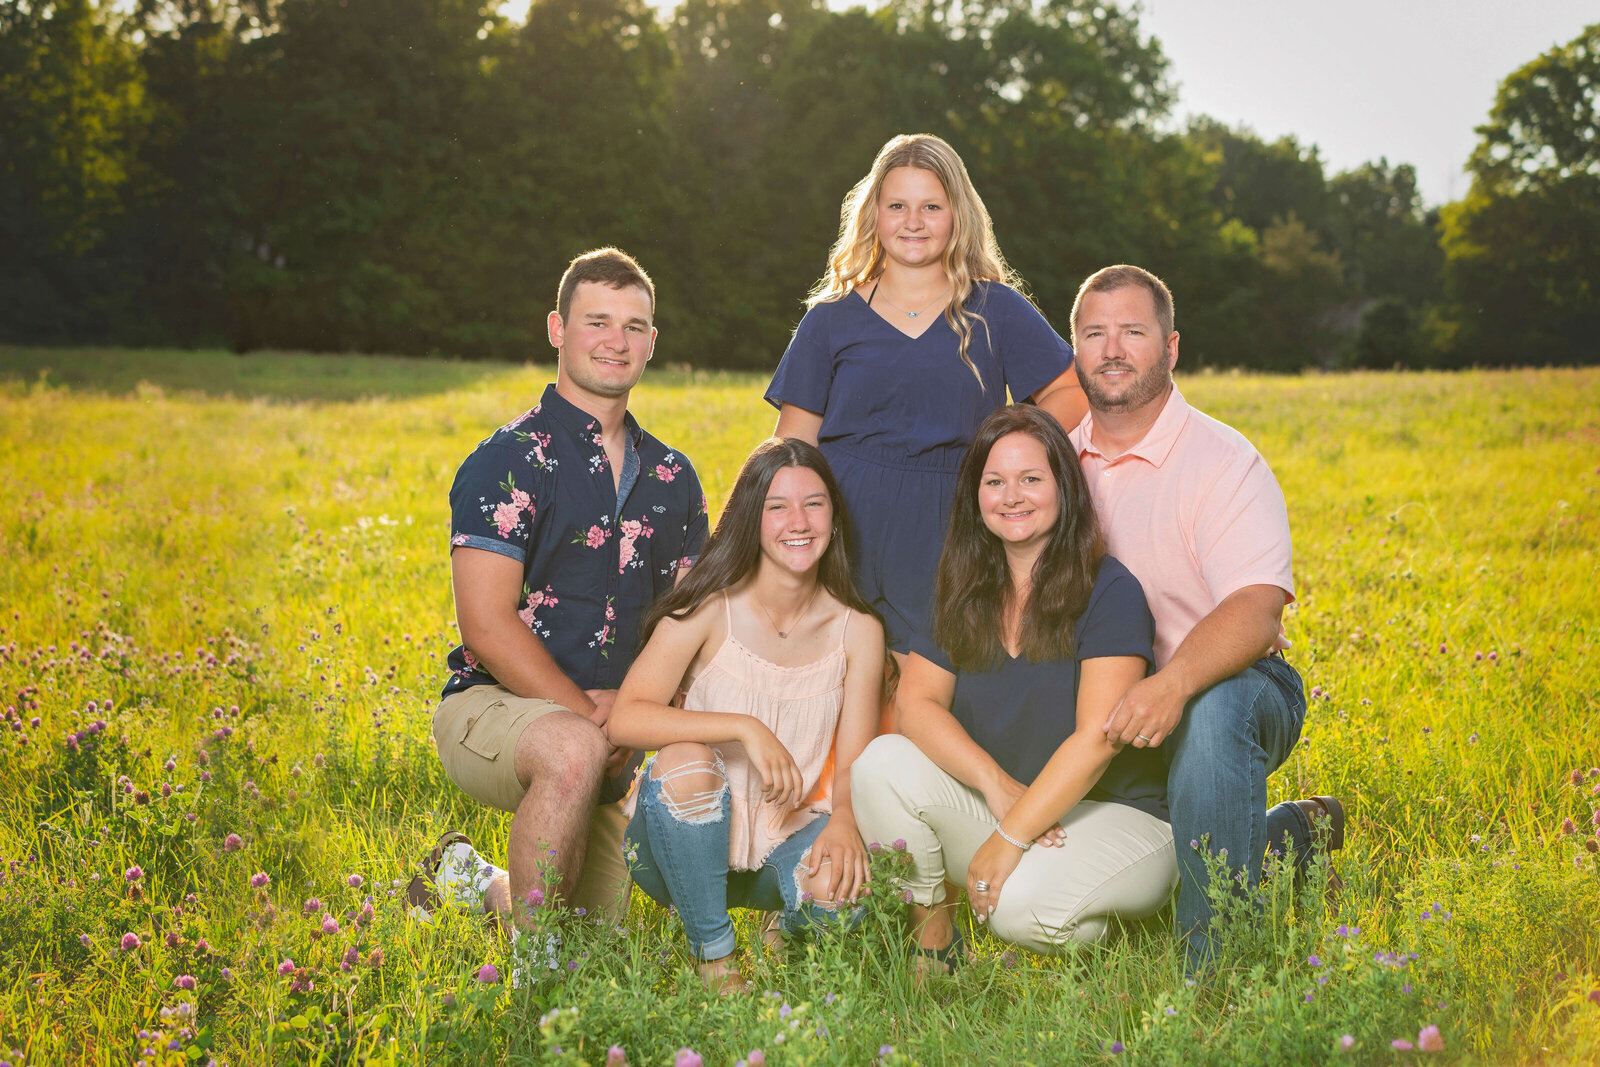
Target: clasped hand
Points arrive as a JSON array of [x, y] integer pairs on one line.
[[604, 700], [781, 783], [1147, 713]]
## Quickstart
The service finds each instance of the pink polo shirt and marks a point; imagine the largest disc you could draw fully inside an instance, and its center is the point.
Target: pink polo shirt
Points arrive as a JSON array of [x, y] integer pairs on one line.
[[1194, 512]]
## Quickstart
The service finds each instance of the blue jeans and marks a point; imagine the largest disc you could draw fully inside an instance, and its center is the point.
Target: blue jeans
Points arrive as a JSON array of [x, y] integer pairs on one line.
[[681, 858], [1230, 738]]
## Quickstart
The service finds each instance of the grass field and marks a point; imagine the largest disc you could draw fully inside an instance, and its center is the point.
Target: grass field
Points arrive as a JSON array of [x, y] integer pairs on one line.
[[224, 617]]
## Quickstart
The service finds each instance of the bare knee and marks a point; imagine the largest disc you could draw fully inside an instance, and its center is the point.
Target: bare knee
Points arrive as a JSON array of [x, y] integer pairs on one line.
[[813, 888], [692, 781], [562, 751]]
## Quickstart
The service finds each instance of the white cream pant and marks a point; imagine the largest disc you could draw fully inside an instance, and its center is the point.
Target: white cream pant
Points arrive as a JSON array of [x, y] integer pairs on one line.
[[1116, 860]]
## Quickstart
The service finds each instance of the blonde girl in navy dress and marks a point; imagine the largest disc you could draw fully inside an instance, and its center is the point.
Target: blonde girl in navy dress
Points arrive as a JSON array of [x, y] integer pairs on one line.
[[914, 334]]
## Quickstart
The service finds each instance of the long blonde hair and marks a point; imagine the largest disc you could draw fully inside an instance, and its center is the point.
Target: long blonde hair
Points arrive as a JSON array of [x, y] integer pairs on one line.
[[972, 255]]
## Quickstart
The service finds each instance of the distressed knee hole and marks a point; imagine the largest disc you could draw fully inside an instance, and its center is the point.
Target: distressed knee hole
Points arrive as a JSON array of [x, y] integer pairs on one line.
[[808, 886], [693, 790]]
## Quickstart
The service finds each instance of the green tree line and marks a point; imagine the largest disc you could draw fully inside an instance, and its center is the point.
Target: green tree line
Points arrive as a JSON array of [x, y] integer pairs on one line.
[[410, 176]]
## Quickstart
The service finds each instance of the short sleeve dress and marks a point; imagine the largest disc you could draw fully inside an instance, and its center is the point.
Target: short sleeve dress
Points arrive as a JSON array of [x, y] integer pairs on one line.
[[897, 416]]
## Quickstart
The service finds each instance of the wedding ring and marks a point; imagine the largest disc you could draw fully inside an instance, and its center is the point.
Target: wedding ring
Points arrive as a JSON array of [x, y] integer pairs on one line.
[[982, 887], [1145, 739]]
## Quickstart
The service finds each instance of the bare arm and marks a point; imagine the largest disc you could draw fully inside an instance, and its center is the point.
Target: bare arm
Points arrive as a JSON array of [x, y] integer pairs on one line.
[[1072, 771], [488, 587], [798, 422], [645, 718], [1064, 399], [1236, 633], [840, 841]]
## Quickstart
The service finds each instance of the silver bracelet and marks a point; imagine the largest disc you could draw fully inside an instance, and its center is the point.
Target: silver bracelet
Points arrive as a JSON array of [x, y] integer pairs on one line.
[[1001, 830]]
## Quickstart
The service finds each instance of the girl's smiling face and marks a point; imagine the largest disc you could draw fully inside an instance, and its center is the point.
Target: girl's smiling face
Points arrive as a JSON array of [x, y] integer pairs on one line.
[[796, 519], [914, 218]]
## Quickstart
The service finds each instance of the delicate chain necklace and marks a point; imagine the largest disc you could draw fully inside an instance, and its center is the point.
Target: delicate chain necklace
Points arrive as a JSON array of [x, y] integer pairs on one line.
[[803, 613], [942, 298]]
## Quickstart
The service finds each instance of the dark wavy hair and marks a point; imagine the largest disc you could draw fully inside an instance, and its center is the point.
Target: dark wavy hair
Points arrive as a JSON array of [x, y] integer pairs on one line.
[[974, 585], [734, 550]]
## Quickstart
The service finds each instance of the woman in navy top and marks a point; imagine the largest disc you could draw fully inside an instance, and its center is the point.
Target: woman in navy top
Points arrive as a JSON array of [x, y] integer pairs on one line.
[[1037, 633], [914, 334]]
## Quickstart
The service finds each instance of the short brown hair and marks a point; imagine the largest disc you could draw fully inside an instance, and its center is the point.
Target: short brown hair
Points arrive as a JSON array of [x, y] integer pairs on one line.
[[608, 266], [1122, 276]]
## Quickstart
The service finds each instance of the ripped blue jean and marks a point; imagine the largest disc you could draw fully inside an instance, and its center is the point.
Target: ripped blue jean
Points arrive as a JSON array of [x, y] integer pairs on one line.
[[682, 860]]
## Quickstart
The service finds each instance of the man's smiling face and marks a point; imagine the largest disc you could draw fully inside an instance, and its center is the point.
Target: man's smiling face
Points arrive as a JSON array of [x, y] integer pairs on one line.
[[606, 340]]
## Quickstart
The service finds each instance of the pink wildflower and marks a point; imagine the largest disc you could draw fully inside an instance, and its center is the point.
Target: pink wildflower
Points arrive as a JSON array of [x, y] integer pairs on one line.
[[232, 843], [488, 974], [184, 981], [354, 881], [130, 941], [330, 925], [1400, 1044], [1346, 1043], [1430, 1040], [132, 874], [615, 1057], [259, 880], [286, 968]]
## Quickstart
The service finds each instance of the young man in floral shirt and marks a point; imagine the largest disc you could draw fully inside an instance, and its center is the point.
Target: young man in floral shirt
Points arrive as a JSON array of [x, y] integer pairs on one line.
[[565, 524]]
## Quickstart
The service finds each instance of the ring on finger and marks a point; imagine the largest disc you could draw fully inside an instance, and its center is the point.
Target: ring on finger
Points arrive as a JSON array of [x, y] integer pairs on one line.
[[981, 886], [1145, 739]]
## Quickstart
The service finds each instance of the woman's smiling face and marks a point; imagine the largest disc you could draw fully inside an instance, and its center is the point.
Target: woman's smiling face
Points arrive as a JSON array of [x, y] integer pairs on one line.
[[1017, 494]]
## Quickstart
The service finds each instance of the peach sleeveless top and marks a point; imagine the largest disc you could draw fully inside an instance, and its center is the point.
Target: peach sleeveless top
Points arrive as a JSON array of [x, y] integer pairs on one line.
[[801, 706]]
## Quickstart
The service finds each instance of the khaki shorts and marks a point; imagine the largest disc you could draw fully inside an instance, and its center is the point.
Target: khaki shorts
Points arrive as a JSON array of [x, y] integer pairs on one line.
[[476, 732]]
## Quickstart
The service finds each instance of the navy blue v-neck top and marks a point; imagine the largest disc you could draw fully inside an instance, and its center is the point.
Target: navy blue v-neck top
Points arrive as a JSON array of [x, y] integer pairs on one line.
[[1021, 712]]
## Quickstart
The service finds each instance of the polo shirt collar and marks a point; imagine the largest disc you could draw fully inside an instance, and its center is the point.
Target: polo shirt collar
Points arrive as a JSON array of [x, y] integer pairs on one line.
[[575, 419], [1157, 443]]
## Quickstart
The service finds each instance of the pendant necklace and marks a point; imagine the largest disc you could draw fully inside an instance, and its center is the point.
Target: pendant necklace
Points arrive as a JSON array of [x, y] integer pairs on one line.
[[803, 613], [942, 298]]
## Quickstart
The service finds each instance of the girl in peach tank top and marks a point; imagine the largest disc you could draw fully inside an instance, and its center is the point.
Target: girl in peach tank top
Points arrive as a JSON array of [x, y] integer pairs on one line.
[[800, 705], [741, 806]]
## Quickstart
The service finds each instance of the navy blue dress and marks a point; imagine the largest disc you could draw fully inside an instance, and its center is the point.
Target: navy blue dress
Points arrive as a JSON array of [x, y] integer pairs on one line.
[[1020, 712], [897, 416]]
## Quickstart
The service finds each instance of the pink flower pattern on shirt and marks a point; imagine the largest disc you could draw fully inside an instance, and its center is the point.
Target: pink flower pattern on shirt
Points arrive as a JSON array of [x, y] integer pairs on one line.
[[605, 636], [668, 469], [632, 530], [507, 515], [532, 601]]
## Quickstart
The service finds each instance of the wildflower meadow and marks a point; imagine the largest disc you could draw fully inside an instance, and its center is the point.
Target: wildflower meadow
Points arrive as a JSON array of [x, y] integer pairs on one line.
[[224, 610]]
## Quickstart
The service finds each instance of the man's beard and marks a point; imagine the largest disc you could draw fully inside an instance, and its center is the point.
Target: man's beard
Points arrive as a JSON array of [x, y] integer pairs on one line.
[[1144, 388]]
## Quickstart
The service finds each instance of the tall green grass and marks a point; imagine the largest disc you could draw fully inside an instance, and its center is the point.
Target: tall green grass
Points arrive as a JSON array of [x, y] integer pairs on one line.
[[240, 567]]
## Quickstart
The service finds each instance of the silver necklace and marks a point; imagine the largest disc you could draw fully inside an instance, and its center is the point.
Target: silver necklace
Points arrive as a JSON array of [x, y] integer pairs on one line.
[[803, 613], [940, 299]]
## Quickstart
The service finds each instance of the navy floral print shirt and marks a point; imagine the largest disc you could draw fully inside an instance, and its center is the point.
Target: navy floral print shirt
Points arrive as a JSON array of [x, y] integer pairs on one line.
[[594, 554]]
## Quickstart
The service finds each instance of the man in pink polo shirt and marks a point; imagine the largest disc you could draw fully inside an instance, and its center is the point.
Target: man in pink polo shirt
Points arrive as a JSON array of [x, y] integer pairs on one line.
[[1191, 508]]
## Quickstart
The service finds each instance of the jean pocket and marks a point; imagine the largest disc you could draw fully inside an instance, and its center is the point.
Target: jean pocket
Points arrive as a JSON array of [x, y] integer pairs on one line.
[[483, 733]]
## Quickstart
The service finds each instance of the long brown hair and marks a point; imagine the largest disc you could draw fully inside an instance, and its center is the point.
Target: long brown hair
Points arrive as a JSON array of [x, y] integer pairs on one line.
[[734, 550], [974, 586], [972, 256]]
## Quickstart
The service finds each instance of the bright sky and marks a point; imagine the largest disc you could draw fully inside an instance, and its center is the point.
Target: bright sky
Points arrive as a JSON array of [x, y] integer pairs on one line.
[[1404, 79]]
